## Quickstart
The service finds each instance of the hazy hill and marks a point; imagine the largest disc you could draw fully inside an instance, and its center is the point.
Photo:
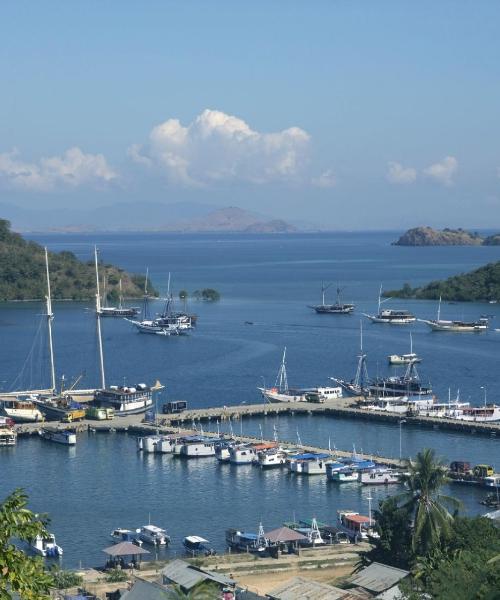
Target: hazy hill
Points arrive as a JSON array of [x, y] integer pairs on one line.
[[427, 236], [22, 272]]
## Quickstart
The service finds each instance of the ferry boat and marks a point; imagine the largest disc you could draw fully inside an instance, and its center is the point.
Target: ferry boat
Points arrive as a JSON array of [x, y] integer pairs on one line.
[[282, 393], [379, 476], [126, 400], [390, 316], [154, 535], [457, 326], [21, 411], [46, 546], [59, 436], [356, 526], [126, 535], [339, 308]]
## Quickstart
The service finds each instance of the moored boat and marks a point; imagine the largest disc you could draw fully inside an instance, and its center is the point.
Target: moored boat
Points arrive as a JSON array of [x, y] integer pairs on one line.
[[8, 435], [151, 534], [66, 437], [357, 527], [21, 410], [194, 544], [339, 308], [457, 326], [46, 546], [379, 476], [390, 316], [126, 535]]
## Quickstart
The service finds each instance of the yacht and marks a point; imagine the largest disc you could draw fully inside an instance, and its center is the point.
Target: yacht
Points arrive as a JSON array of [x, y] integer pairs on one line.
[[339, 308], [46, 546], [20, 410], [390, 316], [120, 310], [126, 400], [282, 393], [379, 476], [66, 437], [154, 535], [439, 324]]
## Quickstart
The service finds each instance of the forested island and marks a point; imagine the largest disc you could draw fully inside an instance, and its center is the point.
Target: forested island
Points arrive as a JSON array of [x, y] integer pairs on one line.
[[481, 285], [427, 236], [22, 273]]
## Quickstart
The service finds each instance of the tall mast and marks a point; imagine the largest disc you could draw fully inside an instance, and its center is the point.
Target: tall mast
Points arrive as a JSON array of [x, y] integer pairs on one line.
[[50, 317], [282, 380], [98, 315], [120, 297], [379, 298], [146, 305], [322, 293], [439, 309]]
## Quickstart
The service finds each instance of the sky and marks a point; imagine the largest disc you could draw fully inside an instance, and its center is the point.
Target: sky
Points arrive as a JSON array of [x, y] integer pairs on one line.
[[352, 114]]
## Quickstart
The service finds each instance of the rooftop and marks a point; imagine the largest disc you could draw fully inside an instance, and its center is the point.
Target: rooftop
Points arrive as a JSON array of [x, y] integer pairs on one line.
[[300, 588], [378, 577]]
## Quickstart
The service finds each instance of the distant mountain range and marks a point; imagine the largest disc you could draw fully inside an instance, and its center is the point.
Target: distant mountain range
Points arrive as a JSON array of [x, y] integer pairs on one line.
[[178, 217]]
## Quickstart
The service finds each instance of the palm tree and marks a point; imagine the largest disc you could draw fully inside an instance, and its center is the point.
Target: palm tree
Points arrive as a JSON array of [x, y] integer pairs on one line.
[[431, 519]]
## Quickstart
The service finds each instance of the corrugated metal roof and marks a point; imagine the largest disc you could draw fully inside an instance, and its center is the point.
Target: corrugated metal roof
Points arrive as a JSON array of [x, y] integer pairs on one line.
[[187, 576], [378, 577], [300, 588], [125, 549], [145, 590]]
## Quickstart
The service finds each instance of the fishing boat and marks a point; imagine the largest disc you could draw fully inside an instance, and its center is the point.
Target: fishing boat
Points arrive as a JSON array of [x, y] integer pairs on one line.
[[357, 527], [21, 411], [339, 308], [344, 475], [222, 451], [273, 457], [358, 386], [199, 447], [243, 454], [8, 435], [66, 437], [195, 544], [282, 393], [390, 316], [311, 531], [117, 311], [439, 324], [242, 541], [379, 476], [151, 534], [126, 535], [308, 463], [46, 546]]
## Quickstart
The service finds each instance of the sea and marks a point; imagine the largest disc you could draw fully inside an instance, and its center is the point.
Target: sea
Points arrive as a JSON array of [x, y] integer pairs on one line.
[[267, 285]]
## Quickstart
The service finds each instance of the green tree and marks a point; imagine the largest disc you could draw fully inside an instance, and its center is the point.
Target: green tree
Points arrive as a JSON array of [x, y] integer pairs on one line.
[[210, 295], [116, 575], [18, 572], [432, 520], [65, 579], [206, 590]]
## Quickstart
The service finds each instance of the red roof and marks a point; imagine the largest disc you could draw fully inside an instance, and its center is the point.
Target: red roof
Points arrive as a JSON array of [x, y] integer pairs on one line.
[[357, 518]]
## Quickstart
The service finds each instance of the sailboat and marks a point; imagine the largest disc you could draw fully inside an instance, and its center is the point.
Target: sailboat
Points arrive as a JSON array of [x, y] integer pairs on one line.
[[404, 359], [393, 317], [339, 308], [282, 393], [439, 324], [120, 310], [359, 385], [125, 400]]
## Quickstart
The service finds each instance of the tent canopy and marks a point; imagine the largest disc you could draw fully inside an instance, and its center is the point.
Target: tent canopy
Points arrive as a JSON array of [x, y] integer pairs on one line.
[[125, 549], [284, 534]]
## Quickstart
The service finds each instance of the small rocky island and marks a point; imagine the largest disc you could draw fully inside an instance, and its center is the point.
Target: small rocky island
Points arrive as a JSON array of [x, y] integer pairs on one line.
[[22, 273], [427, 236], [481, 285]]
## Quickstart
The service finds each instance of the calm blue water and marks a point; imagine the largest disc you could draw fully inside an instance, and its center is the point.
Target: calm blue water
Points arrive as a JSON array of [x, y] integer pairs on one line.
[[268, 280]]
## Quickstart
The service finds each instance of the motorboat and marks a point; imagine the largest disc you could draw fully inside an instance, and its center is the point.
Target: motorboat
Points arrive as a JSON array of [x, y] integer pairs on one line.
[[280, 392], [67, 437], [195, 544], [357, 527], [8, 435], [274, 457], [151, 534], [339, 308], [242, 541], [457, 326], [344, 475], [199, 447], [148, 444], [46, 546], [222, 451], [126, 400], [312, 533], [21, 410], [243, 454], [308, 463], [126, 535], [379, 476]]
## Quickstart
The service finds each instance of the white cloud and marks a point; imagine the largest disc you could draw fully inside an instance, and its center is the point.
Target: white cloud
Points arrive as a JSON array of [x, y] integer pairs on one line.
[[73, 168], [444, 171], [220, 147], [396, 173], [327, 179]]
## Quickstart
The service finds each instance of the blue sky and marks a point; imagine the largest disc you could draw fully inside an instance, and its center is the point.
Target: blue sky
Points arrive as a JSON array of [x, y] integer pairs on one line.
[[348, 113]]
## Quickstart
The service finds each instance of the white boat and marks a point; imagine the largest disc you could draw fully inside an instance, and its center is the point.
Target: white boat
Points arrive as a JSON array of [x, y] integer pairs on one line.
[[308, 463], [405, 359], [195, 544], [379, 476], [120, 310], [345, 475], [282, 393], [21, 411], [492, 481], [356, 526], [46, 546], [149, 443], [126, 535], [222, 452], [154, 535], [199, 448], [165, 445], [275, 457], [8, 436], [477, 414], [439, 324], [66, 437], [390, 316], [242, 455]]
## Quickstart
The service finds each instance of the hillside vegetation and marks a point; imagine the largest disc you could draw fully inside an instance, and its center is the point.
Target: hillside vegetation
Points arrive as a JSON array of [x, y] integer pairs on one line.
[[427, 236], [22, 272], [483, 284]]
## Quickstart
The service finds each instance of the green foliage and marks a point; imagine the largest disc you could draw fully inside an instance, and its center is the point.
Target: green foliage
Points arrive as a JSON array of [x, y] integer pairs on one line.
[[483, 284], [207, 294], [18, 572], [206, 590], [22, 272], [65, 579], [116, 575]]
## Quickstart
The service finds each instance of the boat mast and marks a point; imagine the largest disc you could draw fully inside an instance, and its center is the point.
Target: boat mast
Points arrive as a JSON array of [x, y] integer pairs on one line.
[[439, 310], [361, 372], [281, 379], [50, 317], [98, 315], [379, 299], [146, 305], [120, 297]]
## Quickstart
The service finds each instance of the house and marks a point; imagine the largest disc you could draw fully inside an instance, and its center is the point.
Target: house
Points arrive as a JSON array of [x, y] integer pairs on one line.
[[187, 576], [379, 580], [300, 588]]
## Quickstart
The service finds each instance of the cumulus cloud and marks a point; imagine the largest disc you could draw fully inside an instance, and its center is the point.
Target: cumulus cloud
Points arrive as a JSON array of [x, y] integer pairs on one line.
[[218, 147], [396, 173], [443, 171], [327, 179], [74, 168]]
